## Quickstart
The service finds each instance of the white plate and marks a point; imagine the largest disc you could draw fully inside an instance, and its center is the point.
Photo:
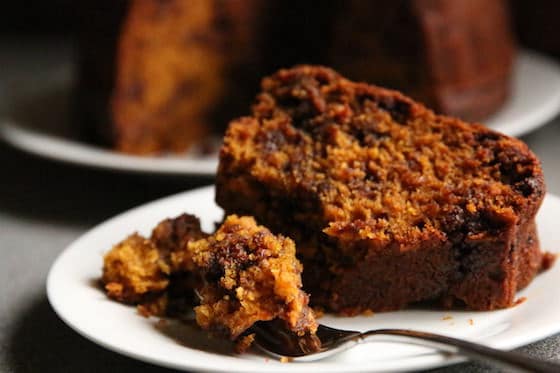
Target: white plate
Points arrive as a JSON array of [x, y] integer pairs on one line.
[[534, 100], [78, 301]]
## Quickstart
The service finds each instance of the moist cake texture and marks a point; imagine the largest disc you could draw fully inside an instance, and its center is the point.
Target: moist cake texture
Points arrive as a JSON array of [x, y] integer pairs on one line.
[[242, 274], [388, 203], [248, 275], [142, 271], [134, 269]]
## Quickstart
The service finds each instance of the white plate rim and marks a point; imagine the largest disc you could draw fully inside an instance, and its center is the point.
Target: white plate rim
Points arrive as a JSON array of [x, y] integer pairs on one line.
[[74, 152], [418, 362], [529, 66]]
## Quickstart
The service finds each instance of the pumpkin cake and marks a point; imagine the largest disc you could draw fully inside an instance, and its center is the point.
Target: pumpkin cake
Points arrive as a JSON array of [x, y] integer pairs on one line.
[[133, 270], [248, 275], [166, 74], [242, 274], [389, 204], [141, 271], [456, 57], [174, 64]]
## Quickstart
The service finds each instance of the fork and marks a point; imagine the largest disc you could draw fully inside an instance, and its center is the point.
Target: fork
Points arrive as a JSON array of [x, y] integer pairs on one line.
[[274, 339]]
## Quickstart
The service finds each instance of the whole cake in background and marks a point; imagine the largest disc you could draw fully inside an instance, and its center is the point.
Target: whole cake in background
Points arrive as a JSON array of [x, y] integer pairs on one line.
[[453, 56], [173, 71], [174, 64]]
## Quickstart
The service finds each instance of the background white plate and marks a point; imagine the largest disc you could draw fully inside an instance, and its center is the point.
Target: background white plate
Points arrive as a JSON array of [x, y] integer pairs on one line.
[[74, 295], [535, 99]]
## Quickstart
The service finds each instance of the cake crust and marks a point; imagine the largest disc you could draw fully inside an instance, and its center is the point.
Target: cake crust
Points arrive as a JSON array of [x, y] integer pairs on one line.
[[389, 203]]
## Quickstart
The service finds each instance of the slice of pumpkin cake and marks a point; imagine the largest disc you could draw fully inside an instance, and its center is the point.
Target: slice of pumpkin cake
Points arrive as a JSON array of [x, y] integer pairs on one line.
[[388, 203]]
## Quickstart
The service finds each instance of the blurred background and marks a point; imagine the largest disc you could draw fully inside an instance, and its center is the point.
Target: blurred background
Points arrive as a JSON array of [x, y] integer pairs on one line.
[[89, 130], [153, 77], [112, 84]]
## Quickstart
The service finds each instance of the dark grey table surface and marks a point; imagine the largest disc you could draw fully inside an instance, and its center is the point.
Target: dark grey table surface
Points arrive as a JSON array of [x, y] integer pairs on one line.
[[45, 205]]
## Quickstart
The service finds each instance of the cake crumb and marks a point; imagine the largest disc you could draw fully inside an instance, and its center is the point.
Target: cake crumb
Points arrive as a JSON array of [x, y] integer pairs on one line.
[[548, 260], [471, 207], [368, 312], [285, 359], [244, 343], [471, 322], [143, 311], [260, 280], [520, 300], [447, 317]]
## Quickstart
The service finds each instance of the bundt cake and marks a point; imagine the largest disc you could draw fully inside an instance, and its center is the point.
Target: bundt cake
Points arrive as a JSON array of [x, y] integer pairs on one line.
[[176, 61], [183, 66], [388, 203], [454, 56]]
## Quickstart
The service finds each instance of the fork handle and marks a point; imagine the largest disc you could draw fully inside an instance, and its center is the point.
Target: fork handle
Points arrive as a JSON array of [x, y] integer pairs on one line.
[[511, 360]]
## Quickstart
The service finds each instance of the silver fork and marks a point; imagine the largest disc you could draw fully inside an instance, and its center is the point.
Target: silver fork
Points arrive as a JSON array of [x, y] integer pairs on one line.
[[274, 339]]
